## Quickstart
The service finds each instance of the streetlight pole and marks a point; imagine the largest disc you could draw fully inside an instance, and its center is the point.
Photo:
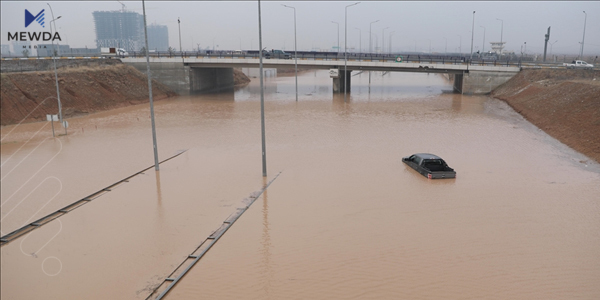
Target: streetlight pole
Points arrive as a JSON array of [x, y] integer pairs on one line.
[[472, 34], [150, 89], [359, 39], [429, 46], [262, 96], [338, 35], [370, 48], [483, 45], [501, 32], [370, 39], [383, 39], [179, 24], [552, 44], [446, 46], [582, 42], [390, 42], [346, 79], [54, 60], [460, 44], [295, 49]]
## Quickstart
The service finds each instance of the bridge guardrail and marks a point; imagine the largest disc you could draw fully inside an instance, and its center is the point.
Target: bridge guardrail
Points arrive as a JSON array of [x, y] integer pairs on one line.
[[335, 56]]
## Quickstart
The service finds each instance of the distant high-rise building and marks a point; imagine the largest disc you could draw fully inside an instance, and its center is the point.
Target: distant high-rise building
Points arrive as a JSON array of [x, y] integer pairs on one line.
[[119, 29], [158, 37]]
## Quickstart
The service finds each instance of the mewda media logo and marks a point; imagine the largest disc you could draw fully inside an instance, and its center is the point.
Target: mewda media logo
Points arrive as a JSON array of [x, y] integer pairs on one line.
[[24, 36], [29, 18]]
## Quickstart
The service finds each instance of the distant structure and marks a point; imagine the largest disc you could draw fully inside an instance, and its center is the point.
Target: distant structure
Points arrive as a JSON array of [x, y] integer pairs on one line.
[[20, 48], [158, 37], [119, 29], [6, 50], [45, 50], [125, 29], [497, 47]]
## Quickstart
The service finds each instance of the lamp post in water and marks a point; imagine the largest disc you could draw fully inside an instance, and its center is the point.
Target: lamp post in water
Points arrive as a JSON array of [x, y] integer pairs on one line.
[[150, 89], [295, 48], [262, 96], [54, 61], [346, 80]]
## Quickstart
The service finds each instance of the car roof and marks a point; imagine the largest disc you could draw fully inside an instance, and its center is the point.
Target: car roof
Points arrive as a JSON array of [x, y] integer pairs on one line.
[[427, 156]]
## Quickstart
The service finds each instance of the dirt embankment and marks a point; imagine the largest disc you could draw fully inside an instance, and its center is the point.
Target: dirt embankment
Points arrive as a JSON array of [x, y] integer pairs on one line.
[[82, 90], [563, 103], [239, 78]]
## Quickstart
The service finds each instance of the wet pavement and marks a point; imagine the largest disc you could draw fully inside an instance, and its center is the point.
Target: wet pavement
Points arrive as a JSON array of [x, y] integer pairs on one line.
[[345, 219]]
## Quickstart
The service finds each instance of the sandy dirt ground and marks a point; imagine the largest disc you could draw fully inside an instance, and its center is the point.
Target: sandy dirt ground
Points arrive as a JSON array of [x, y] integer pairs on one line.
[[563, 103]]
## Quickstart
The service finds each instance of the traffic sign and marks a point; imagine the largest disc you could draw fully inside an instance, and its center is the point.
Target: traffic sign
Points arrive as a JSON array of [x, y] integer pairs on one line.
[[399, 58]]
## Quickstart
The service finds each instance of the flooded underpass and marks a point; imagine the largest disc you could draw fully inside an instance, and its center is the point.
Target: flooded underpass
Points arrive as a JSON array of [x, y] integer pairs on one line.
[[344, 219]]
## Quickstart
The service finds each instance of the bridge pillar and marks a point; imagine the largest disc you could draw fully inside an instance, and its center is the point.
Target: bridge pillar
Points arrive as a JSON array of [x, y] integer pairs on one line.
[[482, 82], [343, 78], [210, 79], [458, 83]]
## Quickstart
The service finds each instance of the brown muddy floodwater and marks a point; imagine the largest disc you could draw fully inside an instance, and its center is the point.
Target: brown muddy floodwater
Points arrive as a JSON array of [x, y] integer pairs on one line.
[[345, 218]]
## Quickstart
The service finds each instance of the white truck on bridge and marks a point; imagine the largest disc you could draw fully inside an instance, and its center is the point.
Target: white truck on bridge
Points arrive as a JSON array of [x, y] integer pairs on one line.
[[578, 64], [120, 52]]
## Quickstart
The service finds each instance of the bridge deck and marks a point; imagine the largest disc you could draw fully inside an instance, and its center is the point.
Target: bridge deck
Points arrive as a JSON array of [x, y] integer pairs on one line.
[[366, 65]]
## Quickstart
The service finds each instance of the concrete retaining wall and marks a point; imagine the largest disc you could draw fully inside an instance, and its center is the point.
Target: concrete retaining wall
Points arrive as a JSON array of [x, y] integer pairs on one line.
[[483, 82], [172, 74]]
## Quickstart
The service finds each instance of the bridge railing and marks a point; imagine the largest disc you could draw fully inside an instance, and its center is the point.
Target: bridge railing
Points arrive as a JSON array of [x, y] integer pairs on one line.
[[334, 56]]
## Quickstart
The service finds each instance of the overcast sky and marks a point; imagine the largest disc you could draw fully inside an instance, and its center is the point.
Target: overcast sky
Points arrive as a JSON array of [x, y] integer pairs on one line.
[[234, 25]]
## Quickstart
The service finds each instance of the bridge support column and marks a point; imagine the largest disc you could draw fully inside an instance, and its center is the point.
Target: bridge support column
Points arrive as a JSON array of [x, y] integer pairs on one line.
[[483, 82], [458, 83], [210, 79], [343, 78]]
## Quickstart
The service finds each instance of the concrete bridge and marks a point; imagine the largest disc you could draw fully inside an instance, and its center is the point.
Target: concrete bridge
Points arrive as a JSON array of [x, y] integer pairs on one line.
[[199, 74]]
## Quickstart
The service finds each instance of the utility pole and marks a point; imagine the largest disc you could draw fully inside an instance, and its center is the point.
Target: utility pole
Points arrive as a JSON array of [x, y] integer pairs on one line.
[[295, 49], [359, 39], [483, 45], [582, 42], [346, 77], [501, 32], [546, 43], [472, 34], [262, 96], [338, 35], [150, 90]]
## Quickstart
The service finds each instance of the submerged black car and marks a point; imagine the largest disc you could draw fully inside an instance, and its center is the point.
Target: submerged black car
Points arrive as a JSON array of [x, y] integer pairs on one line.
[[429, 165]]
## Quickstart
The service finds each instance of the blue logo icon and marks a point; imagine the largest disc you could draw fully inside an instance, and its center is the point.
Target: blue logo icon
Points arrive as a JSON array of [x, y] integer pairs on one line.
[[29, 18]]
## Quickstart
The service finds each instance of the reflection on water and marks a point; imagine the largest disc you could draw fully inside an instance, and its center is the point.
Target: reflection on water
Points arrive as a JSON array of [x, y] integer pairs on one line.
[[266, 243], [346, 218]]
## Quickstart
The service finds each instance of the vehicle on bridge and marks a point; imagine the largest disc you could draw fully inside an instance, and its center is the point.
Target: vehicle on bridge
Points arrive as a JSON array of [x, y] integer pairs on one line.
[[578, 64], [429, 165], [120, 52], [277, 54]]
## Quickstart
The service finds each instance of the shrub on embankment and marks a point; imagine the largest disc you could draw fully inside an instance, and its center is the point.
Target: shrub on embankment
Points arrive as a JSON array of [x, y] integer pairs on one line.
[[82, 90], [563, 103]]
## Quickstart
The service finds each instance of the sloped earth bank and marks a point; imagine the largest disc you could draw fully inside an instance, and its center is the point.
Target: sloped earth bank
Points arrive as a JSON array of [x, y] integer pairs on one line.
[[563, 103], [82, 90]]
